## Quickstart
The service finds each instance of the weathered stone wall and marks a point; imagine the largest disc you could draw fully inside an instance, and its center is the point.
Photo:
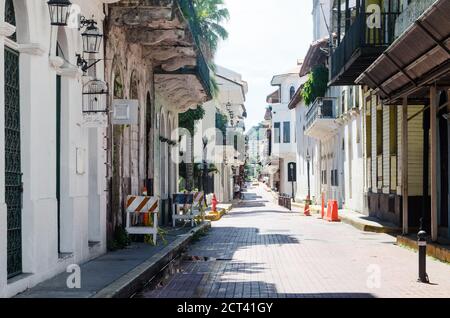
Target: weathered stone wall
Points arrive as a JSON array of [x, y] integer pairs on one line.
[[130, 164]]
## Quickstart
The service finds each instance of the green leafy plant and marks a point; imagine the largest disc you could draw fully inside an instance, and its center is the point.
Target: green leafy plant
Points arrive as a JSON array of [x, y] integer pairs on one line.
[[210, 15], [221, 122], [316, 85], [148, 239], [120, 239], [187, 119]]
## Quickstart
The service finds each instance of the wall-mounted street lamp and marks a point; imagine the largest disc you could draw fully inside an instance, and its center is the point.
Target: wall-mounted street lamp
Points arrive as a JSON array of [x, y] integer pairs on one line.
[[92, 38], [59, 11]]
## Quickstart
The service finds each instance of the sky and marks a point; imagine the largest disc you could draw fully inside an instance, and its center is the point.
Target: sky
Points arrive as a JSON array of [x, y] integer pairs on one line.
[[266, 38]]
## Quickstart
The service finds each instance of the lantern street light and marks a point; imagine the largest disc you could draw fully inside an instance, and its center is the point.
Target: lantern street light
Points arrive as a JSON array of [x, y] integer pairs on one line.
[[92, 38], [59, 11], [308, 160]]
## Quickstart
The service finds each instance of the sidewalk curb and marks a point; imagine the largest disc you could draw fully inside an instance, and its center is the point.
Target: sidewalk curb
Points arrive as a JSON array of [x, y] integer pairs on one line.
[[134, 280], [368, 228], [434, 250], [355, 223]]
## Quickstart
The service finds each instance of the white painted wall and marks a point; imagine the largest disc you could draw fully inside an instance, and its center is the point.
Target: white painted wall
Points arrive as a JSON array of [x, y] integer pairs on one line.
[[306, 146], [232, 90], [281, 113], [83, 201]]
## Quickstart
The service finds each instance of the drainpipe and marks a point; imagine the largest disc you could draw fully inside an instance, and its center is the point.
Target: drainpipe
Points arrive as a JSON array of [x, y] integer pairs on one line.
[[426, 162], [405, 164], [433, 119]]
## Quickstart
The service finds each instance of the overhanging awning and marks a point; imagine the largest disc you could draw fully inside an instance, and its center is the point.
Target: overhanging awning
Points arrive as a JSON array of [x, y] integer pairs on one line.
[[316, 56], [419, 58]]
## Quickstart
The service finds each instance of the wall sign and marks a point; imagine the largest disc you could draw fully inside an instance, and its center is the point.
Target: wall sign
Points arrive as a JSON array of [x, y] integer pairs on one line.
[[292, 172], [125, 112]]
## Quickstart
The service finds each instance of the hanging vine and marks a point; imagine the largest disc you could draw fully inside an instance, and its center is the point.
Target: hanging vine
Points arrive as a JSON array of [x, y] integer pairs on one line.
[[316, 85]]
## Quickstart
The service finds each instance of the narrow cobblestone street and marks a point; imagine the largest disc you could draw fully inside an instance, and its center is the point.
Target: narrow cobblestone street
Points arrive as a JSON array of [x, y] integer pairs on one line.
[[262, 250]]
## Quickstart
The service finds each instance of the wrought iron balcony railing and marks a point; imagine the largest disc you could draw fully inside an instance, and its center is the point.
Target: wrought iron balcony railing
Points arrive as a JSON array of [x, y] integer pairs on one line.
[[322, 108], [361, 45]]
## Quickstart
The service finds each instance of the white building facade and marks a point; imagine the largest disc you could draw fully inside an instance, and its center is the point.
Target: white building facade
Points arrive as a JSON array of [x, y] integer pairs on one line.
[[53, 199], [283, 136], [256, 143], [224, 149], [308, 182]]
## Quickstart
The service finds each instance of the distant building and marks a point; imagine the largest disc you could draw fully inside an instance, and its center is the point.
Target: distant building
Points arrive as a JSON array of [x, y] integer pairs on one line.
[[225, 148], [256, 140], [283, 126]]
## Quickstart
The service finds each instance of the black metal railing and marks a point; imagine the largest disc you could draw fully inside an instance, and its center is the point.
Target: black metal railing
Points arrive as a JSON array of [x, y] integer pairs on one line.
[[189, 12], [322, 108], [285, 200], [362, 34]]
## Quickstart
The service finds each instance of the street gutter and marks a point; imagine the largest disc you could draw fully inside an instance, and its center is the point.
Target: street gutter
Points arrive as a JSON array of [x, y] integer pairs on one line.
[[136, 279]]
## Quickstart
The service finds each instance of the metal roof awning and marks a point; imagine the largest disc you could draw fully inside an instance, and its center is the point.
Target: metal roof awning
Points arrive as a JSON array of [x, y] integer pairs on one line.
[[418, 59]]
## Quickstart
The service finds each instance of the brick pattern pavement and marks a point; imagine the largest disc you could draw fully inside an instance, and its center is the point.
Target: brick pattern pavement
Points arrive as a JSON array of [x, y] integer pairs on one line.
[[262, 250]]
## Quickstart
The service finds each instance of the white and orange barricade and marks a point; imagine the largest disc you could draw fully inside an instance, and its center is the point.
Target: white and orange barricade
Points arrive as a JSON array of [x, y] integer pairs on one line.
[[142, 215]]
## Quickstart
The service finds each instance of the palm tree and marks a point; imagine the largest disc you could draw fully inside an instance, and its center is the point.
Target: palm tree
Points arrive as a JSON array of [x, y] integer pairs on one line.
[[211, 14]]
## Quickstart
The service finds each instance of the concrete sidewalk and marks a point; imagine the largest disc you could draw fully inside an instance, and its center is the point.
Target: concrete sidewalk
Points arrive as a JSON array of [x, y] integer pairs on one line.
[[357, 220], [120, 273]]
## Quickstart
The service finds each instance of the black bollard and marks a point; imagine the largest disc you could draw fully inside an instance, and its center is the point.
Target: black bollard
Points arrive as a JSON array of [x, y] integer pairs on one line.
[[422, 243]]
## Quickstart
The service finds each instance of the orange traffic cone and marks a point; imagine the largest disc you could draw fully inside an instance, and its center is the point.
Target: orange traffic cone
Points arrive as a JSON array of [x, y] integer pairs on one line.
[[334, 217], [306, 211]]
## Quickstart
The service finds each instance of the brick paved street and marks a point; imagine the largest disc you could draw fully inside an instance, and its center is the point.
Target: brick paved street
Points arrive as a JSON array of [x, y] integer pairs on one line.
[[262, 250]]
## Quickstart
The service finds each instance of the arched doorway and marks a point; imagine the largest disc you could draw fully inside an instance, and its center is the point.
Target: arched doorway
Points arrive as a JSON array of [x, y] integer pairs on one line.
[[133, 133], [115, 210], [170, 167], [163, 168], [149, 167], [13, 169]]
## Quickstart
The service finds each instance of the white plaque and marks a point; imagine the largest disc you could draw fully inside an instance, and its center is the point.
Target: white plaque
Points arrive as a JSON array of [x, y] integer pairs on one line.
[[125, 112], [80, 160]]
